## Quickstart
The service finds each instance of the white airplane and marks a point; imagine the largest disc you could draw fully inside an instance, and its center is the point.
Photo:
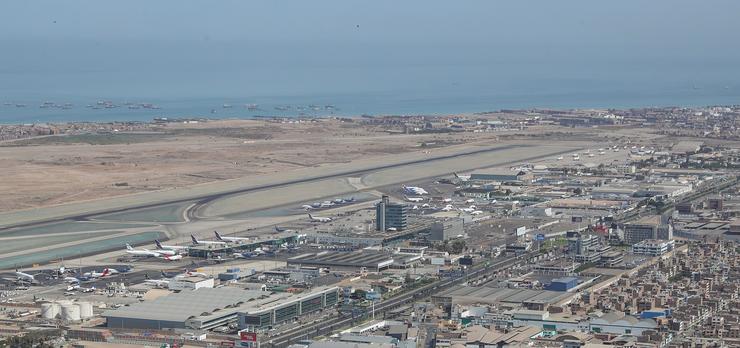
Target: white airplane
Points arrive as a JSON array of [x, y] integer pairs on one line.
[[326, 204], [148, 253], [447, 200], [560, 158], [415, 207], [170, 257], [413, 190], [476, 212], [106, 272], [413, 199], [160, 246], [279, 229], [230, 239], [25, 277], [319, 219], [307, 207], [206, 242], [448, 207], [470, 201], [425, 205]]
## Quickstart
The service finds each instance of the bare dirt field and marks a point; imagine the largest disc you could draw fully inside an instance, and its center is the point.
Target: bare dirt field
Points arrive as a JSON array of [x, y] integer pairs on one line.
[[47, 171], [54, 170]]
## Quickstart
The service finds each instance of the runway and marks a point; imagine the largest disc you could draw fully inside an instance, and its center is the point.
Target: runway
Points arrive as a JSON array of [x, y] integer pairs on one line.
[[221, 210]]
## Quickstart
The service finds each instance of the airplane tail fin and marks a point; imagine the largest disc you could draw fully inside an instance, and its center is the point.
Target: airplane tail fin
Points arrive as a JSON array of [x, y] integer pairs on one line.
[[158, 244], [128, 247], [218, 236], [195, 240]]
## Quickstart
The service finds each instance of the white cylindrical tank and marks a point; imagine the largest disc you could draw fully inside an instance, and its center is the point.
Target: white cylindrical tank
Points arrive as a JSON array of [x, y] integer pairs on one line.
[[50, 310], [86, 310], [71, 312]]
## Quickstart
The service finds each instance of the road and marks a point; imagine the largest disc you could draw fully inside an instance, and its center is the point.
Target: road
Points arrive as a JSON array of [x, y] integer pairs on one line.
[[326, 327]]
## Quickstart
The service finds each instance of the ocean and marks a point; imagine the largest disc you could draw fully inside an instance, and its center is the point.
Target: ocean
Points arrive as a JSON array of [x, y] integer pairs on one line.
[[197, 79]]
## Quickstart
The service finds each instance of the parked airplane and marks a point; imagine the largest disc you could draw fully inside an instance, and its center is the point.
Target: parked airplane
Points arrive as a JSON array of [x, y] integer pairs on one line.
[[319, 219], [106, 272], [413, 199], [160, 246], [25, 277], [413, 190], [170, 257], [71, 280], [196, 241], [280, 229], [448, 207], [148, 253], [307, 207], [476, 212], [230, 239]]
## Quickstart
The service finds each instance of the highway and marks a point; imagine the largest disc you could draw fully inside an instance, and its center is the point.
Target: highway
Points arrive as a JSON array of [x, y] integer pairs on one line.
[[286, 338]]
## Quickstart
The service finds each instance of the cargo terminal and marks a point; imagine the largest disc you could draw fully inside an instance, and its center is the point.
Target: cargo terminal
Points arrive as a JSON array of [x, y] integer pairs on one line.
[[208, 308]]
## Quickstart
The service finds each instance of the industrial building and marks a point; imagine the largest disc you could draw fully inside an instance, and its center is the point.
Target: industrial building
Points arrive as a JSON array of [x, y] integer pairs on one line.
[[497, 295], [446, 229], [198, 309], [390, 216], [207, 308], [562, 284], [344, 261], [287, 309], [649, 227]]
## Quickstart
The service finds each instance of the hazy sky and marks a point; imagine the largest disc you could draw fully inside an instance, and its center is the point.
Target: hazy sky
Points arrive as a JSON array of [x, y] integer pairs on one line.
[[672, 24]]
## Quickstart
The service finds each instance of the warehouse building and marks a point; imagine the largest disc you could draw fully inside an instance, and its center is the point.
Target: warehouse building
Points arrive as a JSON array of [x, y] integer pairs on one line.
[[446, 229], [204, 308], [344, 261], [649, 227], [207, 308]]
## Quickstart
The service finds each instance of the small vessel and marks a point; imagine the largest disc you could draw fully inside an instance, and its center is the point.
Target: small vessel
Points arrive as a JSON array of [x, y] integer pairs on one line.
[[226, 106]]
